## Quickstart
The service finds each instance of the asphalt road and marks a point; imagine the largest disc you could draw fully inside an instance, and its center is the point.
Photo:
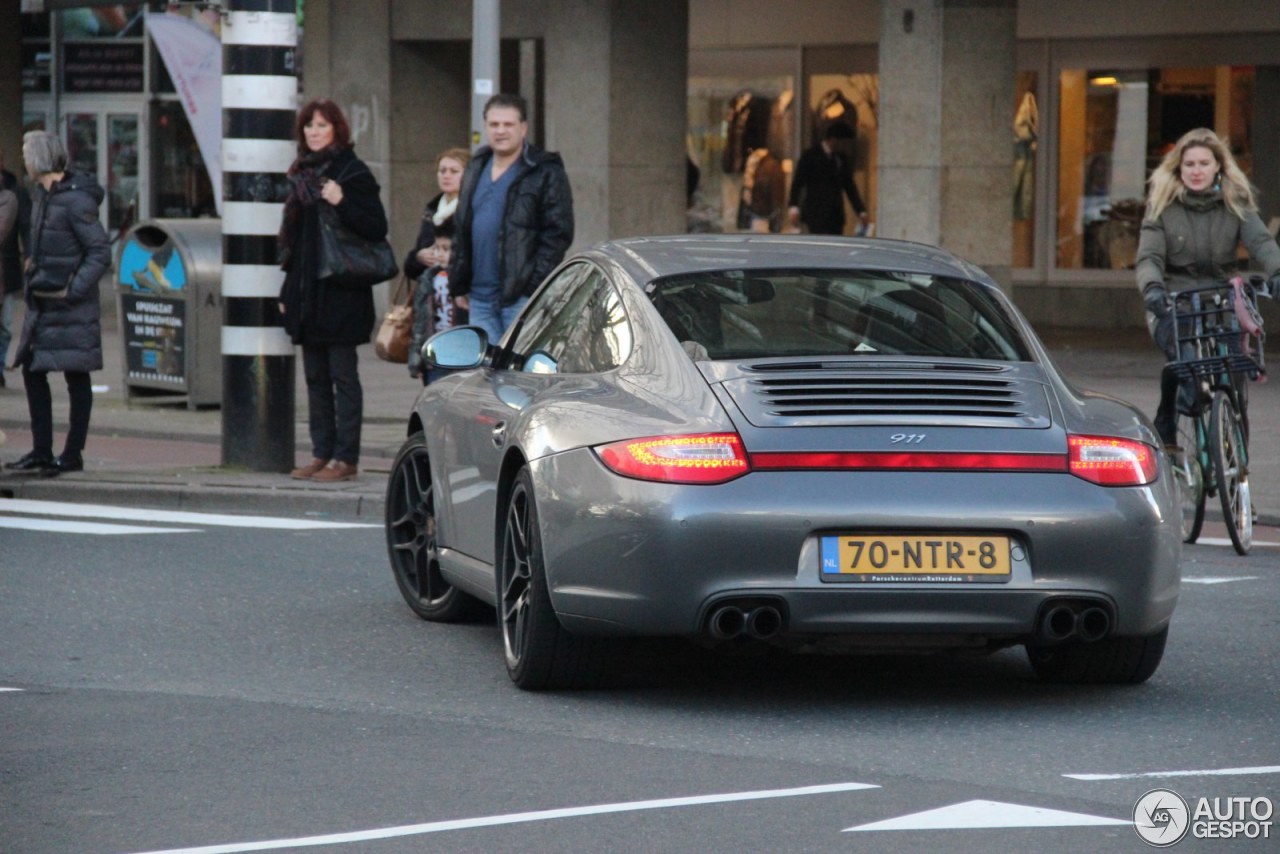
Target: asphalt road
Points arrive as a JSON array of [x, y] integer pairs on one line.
[[193, 684]]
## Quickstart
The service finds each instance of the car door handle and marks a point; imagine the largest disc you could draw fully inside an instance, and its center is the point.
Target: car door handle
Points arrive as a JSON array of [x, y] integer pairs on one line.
[[499, 434]]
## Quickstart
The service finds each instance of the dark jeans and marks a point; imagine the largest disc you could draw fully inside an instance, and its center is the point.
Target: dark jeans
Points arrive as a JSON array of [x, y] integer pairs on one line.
[[40, 406], [335, 401]]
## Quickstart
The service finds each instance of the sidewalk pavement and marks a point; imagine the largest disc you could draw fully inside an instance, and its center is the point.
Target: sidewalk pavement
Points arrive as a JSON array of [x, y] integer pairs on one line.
[[164, 455]]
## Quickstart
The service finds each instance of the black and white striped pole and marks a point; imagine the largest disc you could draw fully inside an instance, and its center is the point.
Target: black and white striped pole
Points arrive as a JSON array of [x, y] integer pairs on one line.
[[259, 104]]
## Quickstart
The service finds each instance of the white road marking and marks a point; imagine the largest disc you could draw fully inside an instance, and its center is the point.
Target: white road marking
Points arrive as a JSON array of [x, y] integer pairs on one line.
[[76, 527], [1213, 772], [1223, 541], [11, 689], [977, 814], [1208, 579], [137, 514], [518, 818]]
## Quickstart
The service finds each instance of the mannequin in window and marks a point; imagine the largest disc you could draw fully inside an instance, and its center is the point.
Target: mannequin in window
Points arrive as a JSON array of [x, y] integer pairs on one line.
[[823, 173]]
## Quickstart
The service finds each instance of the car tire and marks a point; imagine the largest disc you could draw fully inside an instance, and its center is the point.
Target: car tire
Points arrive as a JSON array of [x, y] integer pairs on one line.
[[540, 653], [412, 547], [1110, 661]]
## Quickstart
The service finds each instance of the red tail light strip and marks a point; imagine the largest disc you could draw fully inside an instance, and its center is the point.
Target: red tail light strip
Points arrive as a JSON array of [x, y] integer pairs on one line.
[[908, 461]]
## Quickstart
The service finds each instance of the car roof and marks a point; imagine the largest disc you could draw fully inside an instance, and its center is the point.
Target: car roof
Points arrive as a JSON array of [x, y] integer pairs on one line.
[[647, 258]]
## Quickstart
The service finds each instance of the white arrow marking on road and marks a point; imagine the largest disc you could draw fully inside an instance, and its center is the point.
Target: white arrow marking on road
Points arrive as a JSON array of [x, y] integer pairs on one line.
[[1222, 580], [136, 514], [1217, 772], [519, 818], [76, 527], [977, 814]]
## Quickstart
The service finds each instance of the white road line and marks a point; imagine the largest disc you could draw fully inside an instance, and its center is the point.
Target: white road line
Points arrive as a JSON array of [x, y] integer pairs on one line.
[[1213, 772], [517, 818], [11, 689], [76, 527], [1223, 541], [1206, 579], [136, 514]]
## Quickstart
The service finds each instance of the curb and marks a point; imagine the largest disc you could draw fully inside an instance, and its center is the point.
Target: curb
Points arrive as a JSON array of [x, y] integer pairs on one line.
[[203, 497]]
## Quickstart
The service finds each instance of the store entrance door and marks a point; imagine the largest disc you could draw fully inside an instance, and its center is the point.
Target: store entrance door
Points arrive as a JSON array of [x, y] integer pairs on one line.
[[106, 144]]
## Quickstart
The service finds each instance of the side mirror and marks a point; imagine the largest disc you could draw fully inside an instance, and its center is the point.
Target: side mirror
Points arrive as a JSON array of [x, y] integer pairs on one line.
[[457, 348]]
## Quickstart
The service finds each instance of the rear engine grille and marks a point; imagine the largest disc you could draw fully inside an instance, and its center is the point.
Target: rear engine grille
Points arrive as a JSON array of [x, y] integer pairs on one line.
[[884, 392], [859, 396]]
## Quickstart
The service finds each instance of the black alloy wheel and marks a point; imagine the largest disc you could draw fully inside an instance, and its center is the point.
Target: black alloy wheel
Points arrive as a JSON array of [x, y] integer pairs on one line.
[[540, 653], [412, 544]]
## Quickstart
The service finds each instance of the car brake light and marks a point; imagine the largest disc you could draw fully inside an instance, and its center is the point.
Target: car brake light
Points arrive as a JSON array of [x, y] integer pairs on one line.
[[701, 458], [1109, 461]]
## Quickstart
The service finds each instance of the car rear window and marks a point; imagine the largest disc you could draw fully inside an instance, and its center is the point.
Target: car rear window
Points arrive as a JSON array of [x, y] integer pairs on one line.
[[746, 314]]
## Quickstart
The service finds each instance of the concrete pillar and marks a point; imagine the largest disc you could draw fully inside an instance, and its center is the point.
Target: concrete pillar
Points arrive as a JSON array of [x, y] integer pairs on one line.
[[616, 95], [359, 78], [946, 140]]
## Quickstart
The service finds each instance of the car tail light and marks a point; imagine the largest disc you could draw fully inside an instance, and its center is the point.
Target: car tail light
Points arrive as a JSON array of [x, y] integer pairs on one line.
[[1111, 462], [701, 458]]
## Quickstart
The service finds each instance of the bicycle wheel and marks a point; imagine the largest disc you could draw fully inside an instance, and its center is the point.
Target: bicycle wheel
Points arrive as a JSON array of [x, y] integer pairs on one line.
[[1188, 473], [1231, 468]]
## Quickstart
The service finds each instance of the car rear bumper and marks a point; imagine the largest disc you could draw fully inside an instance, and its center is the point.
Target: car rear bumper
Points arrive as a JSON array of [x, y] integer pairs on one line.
[[631, 557]]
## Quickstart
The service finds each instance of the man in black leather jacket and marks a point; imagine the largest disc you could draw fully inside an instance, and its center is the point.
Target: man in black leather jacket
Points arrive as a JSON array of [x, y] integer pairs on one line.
[[514, 220]]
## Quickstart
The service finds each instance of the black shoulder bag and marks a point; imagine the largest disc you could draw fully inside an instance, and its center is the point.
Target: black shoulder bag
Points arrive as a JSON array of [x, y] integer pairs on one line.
[[346, 258]]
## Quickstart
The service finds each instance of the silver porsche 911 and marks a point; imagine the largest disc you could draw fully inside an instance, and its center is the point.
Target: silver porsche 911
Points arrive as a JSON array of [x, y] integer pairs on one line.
[[825, 444]]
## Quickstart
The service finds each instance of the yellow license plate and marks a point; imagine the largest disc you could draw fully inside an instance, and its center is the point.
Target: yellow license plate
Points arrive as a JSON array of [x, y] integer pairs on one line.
[[915, 557]]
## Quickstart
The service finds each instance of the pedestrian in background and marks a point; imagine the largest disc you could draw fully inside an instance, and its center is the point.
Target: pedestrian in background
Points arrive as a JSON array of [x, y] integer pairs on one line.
[[12, 248], [62, 330], [329, 320], [1200, 209], [822, 174], [514, 220], [450, 165], [433, 310]]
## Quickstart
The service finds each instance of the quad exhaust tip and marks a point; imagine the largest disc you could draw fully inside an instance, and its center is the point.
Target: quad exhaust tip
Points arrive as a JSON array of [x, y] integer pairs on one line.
[[1079, 620], [759, 622]]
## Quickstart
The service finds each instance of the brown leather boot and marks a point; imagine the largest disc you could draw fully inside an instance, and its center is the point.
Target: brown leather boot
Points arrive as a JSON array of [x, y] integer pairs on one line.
[[335, 471], [309, 471]]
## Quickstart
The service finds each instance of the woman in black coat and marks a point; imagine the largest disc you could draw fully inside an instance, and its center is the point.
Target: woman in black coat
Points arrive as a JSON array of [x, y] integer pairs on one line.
[[329, 320], [62, 329]]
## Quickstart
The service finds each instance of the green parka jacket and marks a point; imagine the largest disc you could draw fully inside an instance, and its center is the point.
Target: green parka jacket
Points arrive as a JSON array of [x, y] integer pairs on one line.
[[1196, 239]]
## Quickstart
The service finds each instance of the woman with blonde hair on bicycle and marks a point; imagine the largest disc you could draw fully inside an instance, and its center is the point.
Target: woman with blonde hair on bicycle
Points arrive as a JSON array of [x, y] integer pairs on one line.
[[1200, 209]]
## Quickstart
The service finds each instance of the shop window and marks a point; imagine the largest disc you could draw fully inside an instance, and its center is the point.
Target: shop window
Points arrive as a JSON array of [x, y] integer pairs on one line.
[[1026, 136], [180, 183], [82, 142], [122, 171], [1115, 126], [852, 100], [741, 149]]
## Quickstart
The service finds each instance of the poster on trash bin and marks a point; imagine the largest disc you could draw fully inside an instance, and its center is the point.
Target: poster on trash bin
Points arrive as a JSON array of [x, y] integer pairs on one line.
[[154, 339]]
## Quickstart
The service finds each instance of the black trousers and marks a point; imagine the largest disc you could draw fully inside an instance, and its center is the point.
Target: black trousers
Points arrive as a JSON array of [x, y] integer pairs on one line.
[[335, 400], [40, 406]]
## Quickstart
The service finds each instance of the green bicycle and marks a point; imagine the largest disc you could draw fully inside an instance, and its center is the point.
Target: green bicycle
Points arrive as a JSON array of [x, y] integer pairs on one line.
[[1220, 349]]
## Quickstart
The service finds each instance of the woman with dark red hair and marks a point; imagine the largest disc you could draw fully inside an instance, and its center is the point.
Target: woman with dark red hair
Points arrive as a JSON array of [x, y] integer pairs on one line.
[[328, 319]]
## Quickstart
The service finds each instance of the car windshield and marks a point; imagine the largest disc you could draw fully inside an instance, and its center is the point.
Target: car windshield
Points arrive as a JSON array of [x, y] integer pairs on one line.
[[748, 314]]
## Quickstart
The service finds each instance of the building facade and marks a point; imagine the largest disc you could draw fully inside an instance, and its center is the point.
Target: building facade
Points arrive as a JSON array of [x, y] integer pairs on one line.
[[1016, 132]]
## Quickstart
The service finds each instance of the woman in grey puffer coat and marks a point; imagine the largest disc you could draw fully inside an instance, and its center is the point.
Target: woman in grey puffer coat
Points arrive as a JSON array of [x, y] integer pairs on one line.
[[62, 329], [1200, 209]]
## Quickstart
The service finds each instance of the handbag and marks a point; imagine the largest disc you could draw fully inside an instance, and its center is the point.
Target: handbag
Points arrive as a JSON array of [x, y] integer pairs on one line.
[[395, 333], [347, 258]]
